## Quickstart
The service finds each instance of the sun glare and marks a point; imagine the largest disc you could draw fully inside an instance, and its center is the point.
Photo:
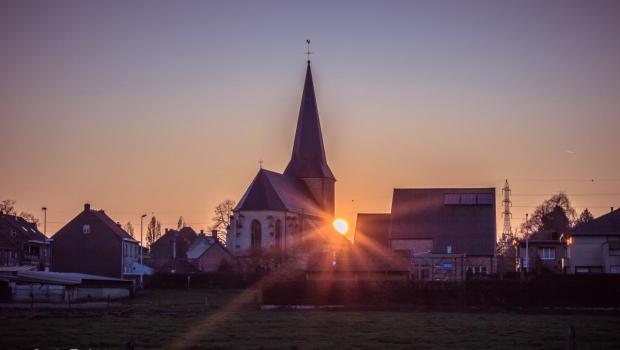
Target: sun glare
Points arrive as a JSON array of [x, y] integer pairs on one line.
[[341, 225]]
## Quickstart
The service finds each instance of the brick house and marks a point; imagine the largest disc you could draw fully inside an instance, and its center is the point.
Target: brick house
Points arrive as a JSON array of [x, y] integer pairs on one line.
[[21, 243], [93, 243]]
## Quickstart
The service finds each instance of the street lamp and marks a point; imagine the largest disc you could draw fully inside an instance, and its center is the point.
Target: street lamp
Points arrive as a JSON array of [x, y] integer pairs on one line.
[[44, 220], [141, 252]]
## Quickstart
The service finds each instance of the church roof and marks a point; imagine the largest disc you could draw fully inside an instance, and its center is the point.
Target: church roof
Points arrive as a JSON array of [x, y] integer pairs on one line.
[[273, 191], [308, 159]]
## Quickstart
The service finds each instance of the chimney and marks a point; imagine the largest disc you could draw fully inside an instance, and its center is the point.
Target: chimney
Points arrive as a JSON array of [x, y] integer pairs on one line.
[[214, 233], [612, 209], [86, 206]]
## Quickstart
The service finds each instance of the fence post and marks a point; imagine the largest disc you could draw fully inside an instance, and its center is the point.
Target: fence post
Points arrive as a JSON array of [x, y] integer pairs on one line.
[[570, 341]]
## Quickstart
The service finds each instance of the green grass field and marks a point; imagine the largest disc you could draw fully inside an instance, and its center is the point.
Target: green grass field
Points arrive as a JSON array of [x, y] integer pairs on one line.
[[179, 320]]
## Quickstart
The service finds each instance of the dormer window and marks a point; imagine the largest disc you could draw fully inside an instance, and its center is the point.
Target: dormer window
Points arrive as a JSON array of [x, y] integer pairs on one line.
[[86, 229]]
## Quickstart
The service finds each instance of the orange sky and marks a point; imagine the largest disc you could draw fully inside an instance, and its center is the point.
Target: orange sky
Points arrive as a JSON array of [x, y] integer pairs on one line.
[[170, 112]]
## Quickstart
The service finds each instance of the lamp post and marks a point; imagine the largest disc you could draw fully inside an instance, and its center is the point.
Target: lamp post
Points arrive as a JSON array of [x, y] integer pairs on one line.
[[44, 220], [141, 252]]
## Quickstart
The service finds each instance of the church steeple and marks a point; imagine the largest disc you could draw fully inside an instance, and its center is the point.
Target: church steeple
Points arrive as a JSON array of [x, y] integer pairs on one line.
[[308, 159]]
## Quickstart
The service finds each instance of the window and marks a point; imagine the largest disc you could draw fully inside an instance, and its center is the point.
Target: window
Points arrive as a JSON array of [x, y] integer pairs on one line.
[[546, 253], [256, 235], [449, 249], [469, 199], [485, 199], [86, 229], [614, 245], [452, 199], [278, 234]]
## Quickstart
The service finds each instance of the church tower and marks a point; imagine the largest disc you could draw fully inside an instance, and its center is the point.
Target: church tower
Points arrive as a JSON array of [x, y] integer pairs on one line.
[[308, 162]]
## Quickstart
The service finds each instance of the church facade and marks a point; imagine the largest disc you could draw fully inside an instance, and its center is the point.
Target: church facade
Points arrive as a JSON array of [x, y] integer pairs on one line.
[[289, 213]]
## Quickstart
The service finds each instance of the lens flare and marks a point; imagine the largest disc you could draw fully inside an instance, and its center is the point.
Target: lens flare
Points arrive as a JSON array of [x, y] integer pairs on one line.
[[341, 225]]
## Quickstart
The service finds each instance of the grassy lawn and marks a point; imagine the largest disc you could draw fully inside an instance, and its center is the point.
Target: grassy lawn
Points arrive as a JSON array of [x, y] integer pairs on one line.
[[178, 319]]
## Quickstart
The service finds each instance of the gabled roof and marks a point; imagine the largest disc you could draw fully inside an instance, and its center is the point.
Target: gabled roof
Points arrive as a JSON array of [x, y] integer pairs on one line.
[[308, 159], [22, 227], [113, 226], [608, 225], [188, 233], [447, 220], [100, 215], [272, 191], [202, 244]]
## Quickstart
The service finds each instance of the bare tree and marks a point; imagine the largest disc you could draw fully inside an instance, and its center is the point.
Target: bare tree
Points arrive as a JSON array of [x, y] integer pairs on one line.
[[7, 206], [555, 213], [221, 218], [129, 228], [30, 218], [153, 231], [181, 223]]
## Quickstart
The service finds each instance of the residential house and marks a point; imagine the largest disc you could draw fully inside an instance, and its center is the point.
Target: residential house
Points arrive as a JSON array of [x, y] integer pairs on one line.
[[169, 252], [92, 243], [21, 243], [594, 247], [208, 254], [542, 252]]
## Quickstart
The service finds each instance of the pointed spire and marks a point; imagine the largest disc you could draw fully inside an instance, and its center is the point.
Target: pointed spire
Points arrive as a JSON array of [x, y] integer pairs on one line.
[[308, 159]]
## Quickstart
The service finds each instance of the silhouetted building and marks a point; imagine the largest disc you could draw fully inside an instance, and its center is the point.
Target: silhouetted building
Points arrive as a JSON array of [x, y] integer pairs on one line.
[[594, 247], [372, 230], [543, 252], [289, 213], [21, 243], [446, 233], [208, 254], [173, 244], [93, 243]]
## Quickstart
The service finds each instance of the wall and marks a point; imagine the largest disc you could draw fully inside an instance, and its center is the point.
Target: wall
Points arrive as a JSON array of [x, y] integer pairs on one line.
[[211, 260], [586, 251], [96, 253]]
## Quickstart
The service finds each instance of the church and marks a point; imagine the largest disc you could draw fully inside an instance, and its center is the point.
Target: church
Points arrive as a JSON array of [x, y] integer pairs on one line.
[[289, 213]]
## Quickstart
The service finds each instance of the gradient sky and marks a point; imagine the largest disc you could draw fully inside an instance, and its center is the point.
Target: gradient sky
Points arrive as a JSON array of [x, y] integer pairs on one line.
[[167, 107]]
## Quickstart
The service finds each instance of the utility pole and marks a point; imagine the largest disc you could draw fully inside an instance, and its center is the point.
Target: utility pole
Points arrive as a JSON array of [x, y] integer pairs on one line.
[[141, 252]]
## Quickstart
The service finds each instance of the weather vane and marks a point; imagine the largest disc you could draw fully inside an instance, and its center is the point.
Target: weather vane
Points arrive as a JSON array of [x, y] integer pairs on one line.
[[308, 52]]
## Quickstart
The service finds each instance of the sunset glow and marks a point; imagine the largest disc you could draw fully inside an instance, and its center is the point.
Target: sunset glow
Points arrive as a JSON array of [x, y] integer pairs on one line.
[[341, 225]]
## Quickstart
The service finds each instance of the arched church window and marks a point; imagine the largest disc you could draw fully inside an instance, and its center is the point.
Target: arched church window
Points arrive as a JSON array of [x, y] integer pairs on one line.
[[256, 234], [278, 234]]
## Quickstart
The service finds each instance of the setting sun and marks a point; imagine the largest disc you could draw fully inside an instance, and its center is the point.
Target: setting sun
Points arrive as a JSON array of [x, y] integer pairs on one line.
[[341, 225]]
